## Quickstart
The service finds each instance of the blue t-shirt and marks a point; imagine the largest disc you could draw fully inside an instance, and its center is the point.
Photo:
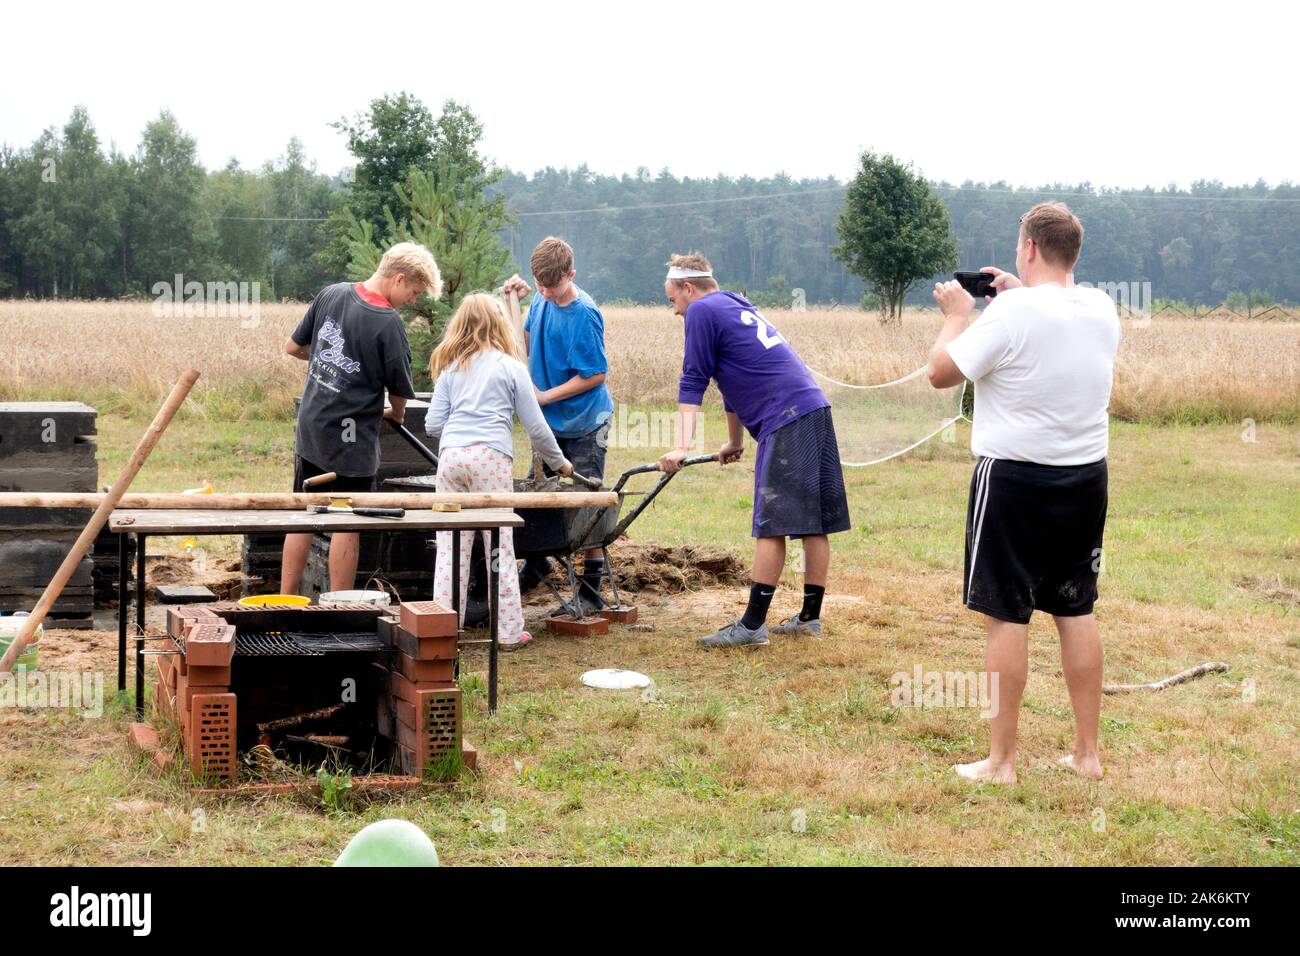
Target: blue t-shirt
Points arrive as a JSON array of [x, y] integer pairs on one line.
[[760, 377], [564, 341]]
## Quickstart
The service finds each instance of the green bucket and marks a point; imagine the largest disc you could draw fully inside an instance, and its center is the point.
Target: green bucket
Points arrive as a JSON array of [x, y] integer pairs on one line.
[[9, 628]]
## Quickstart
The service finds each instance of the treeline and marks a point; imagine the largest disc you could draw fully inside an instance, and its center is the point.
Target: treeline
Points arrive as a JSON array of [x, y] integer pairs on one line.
[[80, 220], [773, 236]]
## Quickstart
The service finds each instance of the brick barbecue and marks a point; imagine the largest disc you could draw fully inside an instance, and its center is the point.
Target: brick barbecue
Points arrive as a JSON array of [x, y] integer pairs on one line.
[[372, 688]]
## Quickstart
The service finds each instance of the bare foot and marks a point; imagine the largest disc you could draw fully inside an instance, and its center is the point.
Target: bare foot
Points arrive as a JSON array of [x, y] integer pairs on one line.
[[1089, 767], [986, 771]]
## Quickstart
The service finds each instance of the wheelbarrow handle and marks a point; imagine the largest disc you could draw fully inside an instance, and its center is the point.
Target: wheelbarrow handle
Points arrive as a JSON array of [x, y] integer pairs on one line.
[[421, 448], [654, 466]]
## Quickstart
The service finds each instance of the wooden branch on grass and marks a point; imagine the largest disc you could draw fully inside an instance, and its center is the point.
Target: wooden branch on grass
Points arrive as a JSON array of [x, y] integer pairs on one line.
[[1180, 678]]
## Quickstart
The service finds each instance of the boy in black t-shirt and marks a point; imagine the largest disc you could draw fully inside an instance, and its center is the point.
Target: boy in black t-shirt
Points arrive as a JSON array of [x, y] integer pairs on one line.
[[355, 345]]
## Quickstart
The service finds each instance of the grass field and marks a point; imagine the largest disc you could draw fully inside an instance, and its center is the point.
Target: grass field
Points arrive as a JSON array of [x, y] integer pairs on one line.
[[119, 357], [794, 753]]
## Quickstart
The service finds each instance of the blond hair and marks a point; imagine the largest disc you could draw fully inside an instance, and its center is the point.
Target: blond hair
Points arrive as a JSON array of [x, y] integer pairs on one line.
[[694, 261], [416, 263], [479, 324], [552, 260], [1056, 232]]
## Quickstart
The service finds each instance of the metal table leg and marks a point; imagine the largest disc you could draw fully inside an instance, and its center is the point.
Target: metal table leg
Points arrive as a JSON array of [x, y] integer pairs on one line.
[[494, 611], [121, 611], [455, 593], [139, 624]]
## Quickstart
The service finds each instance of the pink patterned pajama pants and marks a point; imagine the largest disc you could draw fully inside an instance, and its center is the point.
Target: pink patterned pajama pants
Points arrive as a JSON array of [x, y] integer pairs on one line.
[[479, 468]]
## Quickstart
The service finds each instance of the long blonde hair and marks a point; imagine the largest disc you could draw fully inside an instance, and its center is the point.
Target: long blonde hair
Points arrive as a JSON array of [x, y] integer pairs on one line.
[[479, 324]]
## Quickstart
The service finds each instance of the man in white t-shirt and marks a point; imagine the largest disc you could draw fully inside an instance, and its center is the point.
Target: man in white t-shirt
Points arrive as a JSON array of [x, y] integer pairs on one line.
[[1041, 356]]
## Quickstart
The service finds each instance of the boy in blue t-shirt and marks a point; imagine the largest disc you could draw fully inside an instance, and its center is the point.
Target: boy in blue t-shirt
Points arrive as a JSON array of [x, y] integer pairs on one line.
[[565, 337], [766, 389]]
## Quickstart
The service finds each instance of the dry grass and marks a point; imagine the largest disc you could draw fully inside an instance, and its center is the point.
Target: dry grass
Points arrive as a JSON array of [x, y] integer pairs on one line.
[[120, 357], [734, 749]]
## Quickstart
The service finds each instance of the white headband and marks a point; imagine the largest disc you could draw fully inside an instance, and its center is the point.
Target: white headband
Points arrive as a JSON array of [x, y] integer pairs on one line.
[[677, 272]]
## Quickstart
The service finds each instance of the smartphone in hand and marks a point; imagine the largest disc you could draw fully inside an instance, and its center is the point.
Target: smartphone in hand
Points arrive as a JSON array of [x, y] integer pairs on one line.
[[978, 284]]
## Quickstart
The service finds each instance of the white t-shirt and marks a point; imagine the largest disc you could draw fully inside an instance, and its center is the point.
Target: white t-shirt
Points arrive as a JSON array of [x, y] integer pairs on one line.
[[1042, 360]]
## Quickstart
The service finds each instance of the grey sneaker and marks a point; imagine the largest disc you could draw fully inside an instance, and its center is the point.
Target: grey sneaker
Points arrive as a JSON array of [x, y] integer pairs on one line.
[[736, 634], [793, 627]]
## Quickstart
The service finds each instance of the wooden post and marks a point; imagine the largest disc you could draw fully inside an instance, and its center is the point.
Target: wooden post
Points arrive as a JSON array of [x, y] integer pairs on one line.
[[87, 538]]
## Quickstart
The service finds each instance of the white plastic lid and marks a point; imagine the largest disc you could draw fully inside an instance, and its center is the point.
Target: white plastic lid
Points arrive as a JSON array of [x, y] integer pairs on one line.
[[611, 678]]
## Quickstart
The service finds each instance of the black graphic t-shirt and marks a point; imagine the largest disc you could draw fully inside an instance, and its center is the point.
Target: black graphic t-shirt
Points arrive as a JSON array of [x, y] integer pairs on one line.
[[357, 351]]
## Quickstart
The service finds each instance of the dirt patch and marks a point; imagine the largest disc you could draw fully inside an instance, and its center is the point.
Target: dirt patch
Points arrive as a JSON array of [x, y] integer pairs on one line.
[[1273, 590], [221, 577], [671, 570]]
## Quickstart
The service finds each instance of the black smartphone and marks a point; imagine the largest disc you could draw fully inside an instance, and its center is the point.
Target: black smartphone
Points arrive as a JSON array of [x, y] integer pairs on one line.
[[978, 284]]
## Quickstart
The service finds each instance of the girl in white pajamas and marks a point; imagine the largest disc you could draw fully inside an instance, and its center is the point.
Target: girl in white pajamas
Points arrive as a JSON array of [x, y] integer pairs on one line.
[[480, 385]]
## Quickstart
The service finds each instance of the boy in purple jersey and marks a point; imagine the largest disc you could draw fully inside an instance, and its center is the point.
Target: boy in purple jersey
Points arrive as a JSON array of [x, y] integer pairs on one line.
[[766, 389]]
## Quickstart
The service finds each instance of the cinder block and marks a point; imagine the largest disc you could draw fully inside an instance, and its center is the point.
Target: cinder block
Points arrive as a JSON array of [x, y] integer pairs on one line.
[[427, 619]]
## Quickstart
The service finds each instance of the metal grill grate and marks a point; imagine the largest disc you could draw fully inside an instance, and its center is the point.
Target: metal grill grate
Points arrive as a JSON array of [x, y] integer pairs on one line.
[[302, 644]]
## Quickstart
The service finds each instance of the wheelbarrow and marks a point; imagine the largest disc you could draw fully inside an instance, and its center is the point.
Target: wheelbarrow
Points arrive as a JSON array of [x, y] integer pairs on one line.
[[562, 533]]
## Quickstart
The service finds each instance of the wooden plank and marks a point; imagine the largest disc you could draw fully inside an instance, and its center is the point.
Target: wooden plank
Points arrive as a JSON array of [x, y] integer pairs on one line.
[[290, 501], [244, 521]]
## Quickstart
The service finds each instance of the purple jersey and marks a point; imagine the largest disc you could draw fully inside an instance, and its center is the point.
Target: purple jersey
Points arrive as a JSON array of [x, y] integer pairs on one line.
[[759, 375]]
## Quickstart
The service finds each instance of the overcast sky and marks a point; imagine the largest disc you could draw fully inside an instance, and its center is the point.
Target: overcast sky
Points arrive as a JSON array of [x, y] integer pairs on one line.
[[1117, 94]]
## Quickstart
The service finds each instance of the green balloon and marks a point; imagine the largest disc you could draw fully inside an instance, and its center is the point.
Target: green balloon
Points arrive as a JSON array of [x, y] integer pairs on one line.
[[389, 843]]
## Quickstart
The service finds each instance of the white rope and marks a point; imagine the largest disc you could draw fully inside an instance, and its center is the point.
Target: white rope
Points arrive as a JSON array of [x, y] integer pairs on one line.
[[877, 461], [899, 381]]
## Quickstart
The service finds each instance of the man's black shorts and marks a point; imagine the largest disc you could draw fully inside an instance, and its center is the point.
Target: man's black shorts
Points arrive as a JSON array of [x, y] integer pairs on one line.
[[798, 480], [304, 469], [1033, 538]]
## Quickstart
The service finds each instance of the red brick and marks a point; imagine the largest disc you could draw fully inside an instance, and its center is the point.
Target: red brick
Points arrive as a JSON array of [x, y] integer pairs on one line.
[[408, 690], [587, 626], [178, 711], [185, 697], [623, 614], [468, 755], [427, 619], [426, 648], [144, 738], [211, 736], [210, 645], [437, 730], [178, 618], [209, 676], [421, 671]]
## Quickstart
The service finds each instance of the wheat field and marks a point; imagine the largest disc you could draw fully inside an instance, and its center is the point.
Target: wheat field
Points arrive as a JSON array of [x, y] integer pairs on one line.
[[121, 357]]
